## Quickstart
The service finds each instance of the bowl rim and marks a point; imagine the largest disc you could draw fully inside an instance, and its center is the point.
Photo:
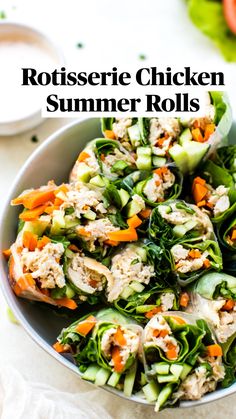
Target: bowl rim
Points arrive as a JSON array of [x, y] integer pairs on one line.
[[8, 295]]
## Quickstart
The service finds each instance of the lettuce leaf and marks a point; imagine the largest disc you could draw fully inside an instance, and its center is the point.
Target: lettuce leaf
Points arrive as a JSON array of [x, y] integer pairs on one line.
[[208, 16]]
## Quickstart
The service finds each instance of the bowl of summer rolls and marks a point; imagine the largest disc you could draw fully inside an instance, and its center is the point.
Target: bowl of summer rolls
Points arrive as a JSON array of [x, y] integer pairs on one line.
[[119, 254]]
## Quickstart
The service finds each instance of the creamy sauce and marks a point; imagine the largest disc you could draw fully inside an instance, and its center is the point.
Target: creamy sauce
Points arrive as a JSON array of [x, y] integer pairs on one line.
[[16, 101]]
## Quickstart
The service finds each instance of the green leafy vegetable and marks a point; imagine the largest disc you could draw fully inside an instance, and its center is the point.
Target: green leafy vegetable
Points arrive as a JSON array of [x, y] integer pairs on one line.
[[208, 16]]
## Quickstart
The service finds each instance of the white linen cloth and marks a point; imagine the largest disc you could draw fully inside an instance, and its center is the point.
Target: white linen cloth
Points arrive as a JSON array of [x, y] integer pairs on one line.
[[22, 400]]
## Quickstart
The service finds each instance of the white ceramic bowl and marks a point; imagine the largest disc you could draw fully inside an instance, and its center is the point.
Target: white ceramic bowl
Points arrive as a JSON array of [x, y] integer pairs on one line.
[[17, 33], [55, 158]]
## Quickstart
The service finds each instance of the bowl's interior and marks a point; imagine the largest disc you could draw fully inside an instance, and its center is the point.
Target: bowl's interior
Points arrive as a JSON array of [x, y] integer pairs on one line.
[[53, 160]]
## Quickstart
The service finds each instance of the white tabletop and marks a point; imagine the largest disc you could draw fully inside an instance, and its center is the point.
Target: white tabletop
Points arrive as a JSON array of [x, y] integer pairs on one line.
[[112, 33]]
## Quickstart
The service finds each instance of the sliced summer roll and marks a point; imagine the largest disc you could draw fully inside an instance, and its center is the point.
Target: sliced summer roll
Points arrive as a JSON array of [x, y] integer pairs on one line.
[[161, 185], [214, 299], [106, 347], [87, 277], [102, 157], [177, 221], [81, 212], [183, 360], [184, 141], [190, 261], [36, 270], [138, 272], [214, 191]]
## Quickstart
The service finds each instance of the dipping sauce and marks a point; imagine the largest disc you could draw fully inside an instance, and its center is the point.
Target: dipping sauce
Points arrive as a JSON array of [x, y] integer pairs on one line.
[[20, 49]]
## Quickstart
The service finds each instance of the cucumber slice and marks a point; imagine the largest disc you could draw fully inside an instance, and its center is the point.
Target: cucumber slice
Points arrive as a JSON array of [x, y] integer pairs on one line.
[[36, 227], [124, 197], [158, 161], [127, 292], [90, 215], [179, 230], [143, 379], [58, 222], [190, 225], [170, 378], [136, 286], [180, 157], [70, 223], [134, 135], [144, 159], [186, 136], [176, 370], [161, 368], [83, 172], [102, 377], [163, 396], [151, 391], [97, 181], [133, 208], [142, 253], [139, 187], [119, 166], [70, 293], [185, 371], [195, 153], [114, 379], [91, 372], [129, 380]]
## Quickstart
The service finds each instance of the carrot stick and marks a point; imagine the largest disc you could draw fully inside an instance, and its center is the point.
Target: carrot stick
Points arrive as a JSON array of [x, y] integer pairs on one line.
[[229, 305], [66, 302], [34, 199], [134, 221], [31, 215], [214, 350], [199, 192], [145, 213], [83, 156], [119, 337], [30, 240], [110, 134], [184, 299], [117, 359], [112, 242], [210, 128], [197, 135], [84, 327], [152, 312], [127, 235], [60, 348], [206, 263], [178, 320], [201, 203], [42, 242]]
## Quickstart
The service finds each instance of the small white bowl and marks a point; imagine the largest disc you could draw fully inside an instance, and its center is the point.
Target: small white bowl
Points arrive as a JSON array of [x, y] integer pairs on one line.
[[14, 34]]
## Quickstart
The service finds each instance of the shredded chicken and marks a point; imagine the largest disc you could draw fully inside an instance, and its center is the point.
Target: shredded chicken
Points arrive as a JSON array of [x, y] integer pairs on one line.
[[184, 263], [44, 265], [82, 198], [109, 341], [96, 230], [127, 266], [156, 187], [200, 381]]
